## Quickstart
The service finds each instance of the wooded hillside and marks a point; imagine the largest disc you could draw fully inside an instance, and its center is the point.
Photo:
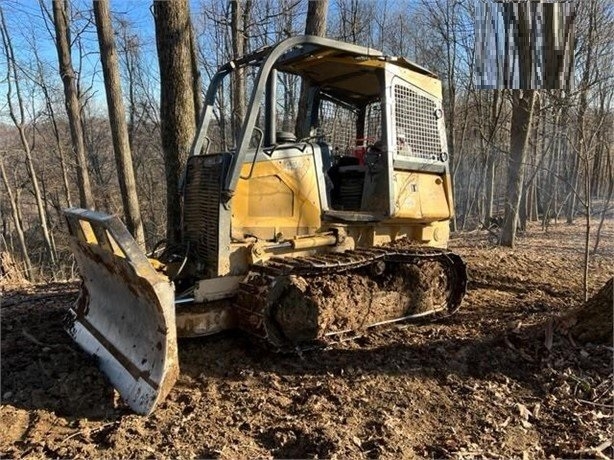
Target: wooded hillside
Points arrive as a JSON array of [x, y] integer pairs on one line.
[[57, 149]]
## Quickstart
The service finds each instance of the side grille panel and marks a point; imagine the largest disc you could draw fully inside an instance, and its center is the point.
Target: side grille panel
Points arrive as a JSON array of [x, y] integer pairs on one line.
[[202, 193]]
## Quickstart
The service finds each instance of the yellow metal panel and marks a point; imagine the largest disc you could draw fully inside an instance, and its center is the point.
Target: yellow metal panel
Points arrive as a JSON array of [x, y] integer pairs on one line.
[[424, 82], [433, 197], [88, 232], [447, 181], [434, 234], [280, 197], [407, 196], [269, 196], [421, 196]]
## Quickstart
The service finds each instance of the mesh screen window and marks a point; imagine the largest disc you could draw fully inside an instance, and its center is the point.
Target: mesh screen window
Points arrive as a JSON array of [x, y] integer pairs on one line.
[[416, 125], [373, 122], [337, 126]]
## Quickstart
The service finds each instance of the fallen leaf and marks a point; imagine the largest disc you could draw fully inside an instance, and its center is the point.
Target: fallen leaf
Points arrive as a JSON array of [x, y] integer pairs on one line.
[[524, 412], [536, 410], [526, 424]]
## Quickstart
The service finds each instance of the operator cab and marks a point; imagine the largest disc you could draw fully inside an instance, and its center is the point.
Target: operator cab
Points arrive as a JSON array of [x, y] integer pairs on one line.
[[373, 115], [366, 145]]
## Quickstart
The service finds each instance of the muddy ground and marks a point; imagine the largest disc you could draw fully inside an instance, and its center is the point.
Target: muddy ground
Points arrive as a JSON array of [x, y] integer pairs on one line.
[[479, 384]]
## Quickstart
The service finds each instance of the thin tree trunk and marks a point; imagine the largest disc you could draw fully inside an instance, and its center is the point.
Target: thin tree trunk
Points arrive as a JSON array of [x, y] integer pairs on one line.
[[520, 129], [490, 186], [17, 221], [73, 108], [556, 167], [582, 108], [587, 230], [522, 211], [56, 131], [238, 77], [491, 160], [574, 176], [196, 77], [117, 120]]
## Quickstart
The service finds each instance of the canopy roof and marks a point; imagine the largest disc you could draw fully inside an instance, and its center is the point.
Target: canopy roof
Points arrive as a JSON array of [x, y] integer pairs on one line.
[[343, 69]]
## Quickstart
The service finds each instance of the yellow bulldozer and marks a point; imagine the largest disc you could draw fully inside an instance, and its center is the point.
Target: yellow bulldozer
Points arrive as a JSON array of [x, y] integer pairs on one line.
[[299, 241]]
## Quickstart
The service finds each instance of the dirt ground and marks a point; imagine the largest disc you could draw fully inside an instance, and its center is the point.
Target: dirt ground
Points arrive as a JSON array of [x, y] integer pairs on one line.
[[491, 381]]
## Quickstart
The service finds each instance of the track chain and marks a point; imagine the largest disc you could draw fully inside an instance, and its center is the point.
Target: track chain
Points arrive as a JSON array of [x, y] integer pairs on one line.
[[263, 284]]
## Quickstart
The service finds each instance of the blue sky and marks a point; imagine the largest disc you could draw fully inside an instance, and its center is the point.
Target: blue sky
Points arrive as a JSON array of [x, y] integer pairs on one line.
[[28, 30], [26, 24]]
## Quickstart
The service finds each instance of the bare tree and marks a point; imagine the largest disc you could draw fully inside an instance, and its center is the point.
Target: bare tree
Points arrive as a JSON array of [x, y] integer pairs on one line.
[[40, 80], [238, 12], [117, 120], [19, 120], [522, 113], [177, 110], [16, 221], [73, 108]]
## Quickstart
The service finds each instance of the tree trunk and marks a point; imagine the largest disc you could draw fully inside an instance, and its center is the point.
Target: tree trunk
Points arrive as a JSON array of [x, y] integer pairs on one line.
[[177, 111], [38, 196], [117, 120], [197, 80], [73, 108], [587, 229], [492, 156], [574, 177], [490, 186], [522, 211], [522, 112], [17, 222], [581, 119], [238, 76], [315, 24]]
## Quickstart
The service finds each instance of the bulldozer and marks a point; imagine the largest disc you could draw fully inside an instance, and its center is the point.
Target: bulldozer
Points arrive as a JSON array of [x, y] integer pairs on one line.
[[299, 240]]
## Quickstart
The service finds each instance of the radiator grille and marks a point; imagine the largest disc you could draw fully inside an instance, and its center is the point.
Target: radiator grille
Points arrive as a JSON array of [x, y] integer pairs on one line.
[[416, 123], [203, 186]]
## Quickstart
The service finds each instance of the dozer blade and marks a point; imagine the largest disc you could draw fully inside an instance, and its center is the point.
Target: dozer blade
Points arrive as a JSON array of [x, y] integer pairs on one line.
[[125, 314]]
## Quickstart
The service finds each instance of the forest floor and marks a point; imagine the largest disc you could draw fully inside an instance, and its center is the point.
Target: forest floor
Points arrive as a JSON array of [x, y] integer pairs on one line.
[[482, 383]]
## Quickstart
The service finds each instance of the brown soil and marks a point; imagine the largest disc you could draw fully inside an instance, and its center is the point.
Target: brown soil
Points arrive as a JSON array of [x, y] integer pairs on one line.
[[491, 381], [592, 322]]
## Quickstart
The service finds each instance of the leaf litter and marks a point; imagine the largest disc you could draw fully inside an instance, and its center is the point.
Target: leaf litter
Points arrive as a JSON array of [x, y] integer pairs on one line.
[[500, 379]]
